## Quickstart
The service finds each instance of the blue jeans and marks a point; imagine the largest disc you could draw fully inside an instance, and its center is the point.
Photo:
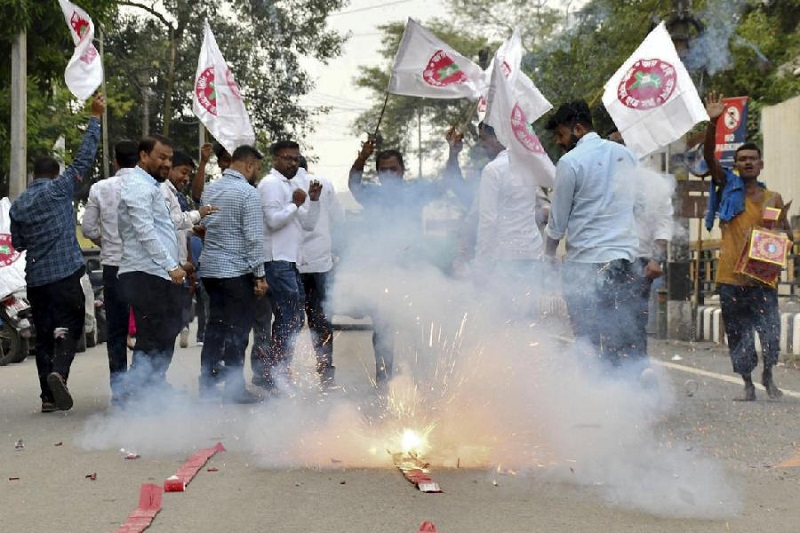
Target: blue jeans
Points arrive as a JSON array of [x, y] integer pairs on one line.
[[315, 288], [746, 311], [602, 301], [287, 298]]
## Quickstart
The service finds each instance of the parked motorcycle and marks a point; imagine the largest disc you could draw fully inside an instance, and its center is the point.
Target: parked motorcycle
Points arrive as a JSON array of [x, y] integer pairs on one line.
[[15, 310], [15, 328]]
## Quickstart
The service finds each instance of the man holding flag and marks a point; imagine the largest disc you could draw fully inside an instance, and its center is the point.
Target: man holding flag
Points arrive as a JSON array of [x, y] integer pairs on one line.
[[43, 224]]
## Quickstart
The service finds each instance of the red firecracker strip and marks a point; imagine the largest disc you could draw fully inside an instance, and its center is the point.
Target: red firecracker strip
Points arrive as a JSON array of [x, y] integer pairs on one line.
[[415, 471], [149, 506], [190, 468], [427, 527]]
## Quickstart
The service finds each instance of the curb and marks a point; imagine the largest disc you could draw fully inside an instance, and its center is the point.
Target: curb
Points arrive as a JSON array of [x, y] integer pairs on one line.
[[710, 327]]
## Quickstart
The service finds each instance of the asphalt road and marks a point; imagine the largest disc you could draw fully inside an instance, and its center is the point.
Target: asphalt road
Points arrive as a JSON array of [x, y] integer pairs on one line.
[[519, 452]]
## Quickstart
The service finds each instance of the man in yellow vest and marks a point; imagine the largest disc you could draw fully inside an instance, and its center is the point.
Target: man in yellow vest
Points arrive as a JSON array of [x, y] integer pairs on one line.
[[738, 199]]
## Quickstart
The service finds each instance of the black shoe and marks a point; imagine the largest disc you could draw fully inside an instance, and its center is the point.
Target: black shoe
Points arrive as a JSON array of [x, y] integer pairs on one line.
[[242, 396], [772, 390], [48, 407], [263, 382], [63, 399]]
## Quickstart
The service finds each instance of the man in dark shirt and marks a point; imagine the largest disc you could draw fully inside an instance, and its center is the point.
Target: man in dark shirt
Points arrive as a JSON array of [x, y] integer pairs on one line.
[[43, 224]]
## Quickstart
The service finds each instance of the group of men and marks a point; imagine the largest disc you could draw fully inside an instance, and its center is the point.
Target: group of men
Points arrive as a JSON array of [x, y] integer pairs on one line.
[[252, 242], [267, 250]]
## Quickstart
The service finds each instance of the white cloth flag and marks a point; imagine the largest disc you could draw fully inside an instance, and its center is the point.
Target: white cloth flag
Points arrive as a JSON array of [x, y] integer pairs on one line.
[[651, 98], [513, 128], [427, 67], [216, 99], [530, 99], [84, 72]]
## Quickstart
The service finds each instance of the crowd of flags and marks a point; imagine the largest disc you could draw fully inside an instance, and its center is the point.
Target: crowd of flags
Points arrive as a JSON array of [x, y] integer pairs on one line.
[[651, 98]]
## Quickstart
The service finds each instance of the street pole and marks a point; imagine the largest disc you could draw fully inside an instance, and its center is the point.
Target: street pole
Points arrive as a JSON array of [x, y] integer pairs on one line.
[[18, 171], [105, 112]]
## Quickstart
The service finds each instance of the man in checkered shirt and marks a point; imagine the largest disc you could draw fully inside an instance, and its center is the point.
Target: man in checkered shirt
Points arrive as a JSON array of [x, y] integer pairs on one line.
[[43, 224]]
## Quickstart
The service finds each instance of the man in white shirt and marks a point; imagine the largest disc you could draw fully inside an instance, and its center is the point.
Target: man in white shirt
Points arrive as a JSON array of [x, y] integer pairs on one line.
[[509, 244], [100, 225], [288, 211], [184, 220], [315, 266], [593, 206], [653, 213]]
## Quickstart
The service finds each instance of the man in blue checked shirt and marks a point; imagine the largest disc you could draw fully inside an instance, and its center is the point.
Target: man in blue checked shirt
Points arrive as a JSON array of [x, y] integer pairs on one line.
[[43, 224], [150, 274], [232, 270]]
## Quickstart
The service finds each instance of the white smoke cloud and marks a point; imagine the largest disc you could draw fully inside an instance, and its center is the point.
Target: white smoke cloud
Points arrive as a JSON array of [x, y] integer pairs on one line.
[[491, 383]]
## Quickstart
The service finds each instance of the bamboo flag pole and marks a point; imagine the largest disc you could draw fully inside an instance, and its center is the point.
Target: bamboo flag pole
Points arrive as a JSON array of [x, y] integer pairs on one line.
[[466, 116], [380, 118]]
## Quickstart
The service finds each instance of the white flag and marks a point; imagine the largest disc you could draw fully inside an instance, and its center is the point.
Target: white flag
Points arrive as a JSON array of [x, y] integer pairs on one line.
[[513, 128], [651, 98], [216, 99], [84, 72], [427, 67], [530, 99]]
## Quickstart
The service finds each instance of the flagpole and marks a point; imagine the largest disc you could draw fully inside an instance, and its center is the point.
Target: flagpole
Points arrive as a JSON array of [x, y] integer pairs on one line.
[[596, 97], [105, 110], [465, 117], [380, 118]]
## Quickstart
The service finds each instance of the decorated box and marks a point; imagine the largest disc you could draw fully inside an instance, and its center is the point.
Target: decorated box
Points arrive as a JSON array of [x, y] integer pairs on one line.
[[764, 255]]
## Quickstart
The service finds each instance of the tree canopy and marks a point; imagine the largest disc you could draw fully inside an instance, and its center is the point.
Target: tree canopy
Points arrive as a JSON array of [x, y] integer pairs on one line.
[[151, 52]]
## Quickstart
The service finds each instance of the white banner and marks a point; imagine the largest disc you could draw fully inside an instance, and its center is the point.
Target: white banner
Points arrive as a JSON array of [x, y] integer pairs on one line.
[[84, 72], [530, 99], [651, 98], [513, 127], [427, 67], [216, 99]]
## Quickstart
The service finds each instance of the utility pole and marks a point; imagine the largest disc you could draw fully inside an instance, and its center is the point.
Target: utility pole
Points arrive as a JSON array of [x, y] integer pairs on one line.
[[18, 171]]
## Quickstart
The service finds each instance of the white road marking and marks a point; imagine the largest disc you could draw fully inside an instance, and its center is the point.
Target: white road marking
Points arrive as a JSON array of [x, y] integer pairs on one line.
[[714, 375]]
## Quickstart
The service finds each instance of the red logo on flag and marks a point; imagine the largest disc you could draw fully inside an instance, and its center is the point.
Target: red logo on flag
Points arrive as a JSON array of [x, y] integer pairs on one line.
[[442, 71], [648, 83], [7, 252], [79, 24], [524, 132], [206, 89]]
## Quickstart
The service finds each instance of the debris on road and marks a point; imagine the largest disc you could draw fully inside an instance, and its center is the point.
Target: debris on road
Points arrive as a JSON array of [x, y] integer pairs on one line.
[[19, 445]]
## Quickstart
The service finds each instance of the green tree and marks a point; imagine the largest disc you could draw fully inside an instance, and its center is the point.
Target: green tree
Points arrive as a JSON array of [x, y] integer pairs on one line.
[[51, 111], [262, 41], [749, 47]]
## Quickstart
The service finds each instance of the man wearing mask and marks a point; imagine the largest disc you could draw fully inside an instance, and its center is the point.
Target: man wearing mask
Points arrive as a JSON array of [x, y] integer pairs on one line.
[[151, 275], [593, 206], [43, 224], [288, 210]]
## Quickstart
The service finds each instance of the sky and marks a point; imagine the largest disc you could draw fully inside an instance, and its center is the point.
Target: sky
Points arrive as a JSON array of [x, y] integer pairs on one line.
[[333, 144]]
